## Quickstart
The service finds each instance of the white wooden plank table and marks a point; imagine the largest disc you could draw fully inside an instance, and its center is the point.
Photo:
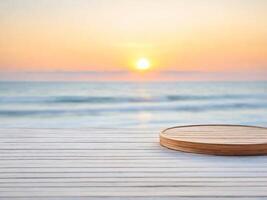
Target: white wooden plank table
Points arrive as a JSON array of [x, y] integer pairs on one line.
[[57, 164]]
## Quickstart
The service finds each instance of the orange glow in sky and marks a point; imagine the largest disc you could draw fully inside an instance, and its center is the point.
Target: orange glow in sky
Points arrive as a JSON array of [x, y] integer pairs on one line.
[[92, 35]]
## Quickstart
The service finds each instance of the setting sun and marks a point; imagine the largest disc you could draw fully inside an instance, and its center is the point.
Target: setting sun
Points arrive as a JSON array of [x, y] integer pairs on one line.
[[143, 64]]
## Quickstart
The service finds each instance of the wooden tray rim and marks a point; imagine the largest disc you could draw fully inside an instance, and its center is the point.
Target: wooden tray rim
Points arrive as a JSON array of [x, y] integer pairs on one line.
[[208, 148]]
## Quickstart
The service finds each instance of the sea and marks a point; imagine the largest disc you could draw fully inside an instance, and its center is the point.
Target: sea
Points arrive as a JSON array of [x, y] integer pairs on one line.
[[131, 104]]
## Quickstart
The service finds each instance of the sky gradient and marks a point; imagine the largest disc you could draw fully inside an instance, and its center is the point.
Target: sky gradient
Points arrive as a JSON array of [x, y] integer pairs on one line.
[[102, 39]]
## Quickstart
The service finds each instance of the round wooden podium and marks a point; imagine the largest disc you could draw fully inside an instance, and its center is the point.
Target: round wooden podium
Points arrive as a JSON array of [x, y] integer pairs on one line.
[[231, 140]]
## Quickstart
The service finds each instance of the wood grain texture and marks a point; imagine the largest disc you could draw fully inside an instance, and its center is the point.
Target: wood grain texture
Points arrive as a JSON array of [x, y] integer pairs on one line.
[[228, 140], [79, 164]]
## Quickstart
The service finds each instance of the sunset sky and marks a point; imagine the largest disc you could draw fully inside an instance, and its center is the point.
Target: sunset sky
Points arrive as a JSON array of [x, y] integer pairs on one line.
[[104, 39]]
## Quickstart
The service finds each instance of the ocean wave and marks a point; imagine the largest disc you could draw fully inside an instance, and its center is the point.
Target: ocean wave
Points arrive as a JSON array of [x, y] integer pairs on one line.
[[82, 99], [76, 99], [113, 99], [213, 97], [110, 109]]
